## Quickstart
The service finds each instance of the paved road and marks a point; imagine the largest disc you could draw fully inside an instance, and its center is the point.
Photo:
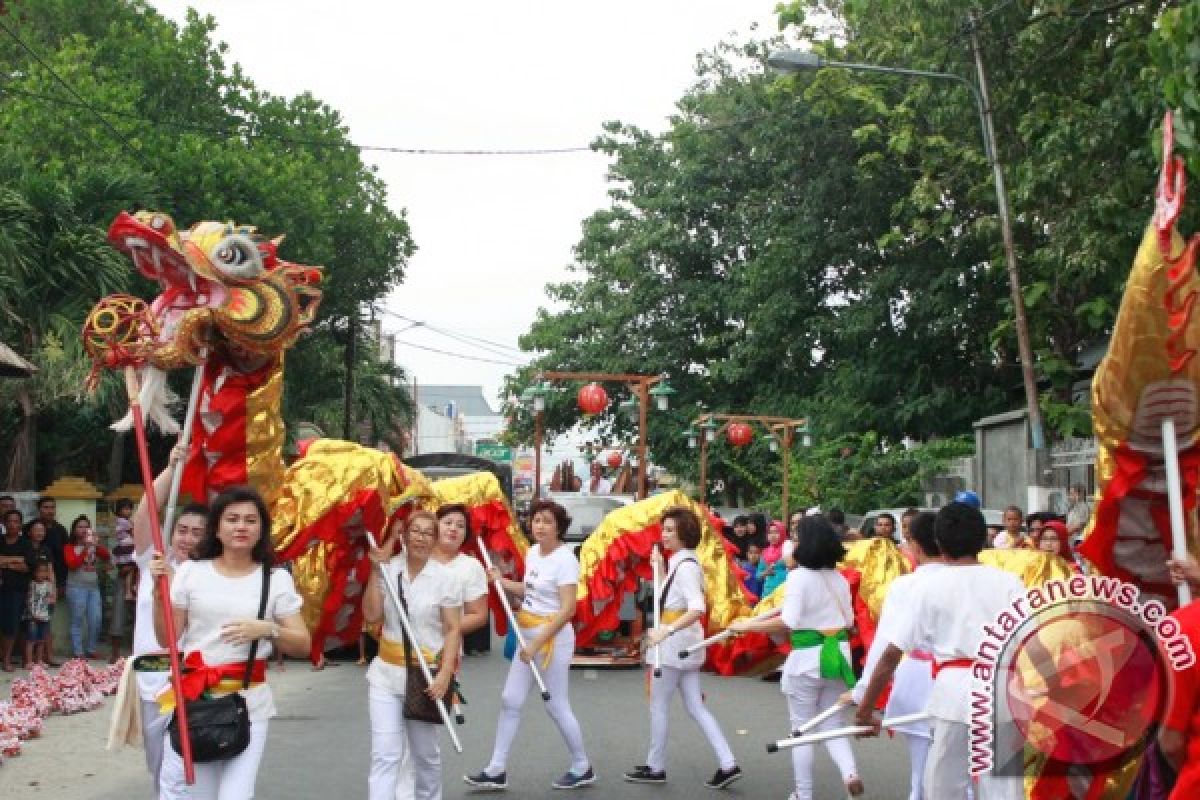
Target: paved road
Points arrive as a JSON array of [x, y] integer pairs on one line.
[[319, 747]]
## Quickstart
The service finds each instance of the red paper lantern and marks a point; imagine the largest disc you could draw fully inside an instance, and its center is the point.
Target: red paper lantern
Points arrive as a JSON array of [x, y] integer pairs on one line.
[[615, 459], [739, 434], [592, 399]]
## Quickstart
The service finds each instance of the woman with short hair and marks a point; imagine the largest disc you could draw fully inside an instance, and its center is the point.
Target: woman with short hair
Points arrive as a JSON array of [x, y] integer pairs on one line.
[[214, 603], [682, 605], [432, 600], [818, 615], [548, 604]]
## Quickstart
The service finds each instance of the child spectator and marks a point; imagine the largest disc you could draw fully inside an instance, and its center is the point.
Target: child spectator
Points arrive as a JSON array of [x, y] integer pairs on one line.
[[772, 571], [750, 564], [38, 607]]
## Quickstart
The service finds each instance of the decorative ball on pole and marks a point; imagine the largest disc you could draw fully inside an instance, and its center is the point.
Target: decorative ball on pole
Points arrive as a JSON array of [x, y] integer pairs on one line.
[[615, 459], [739, 434], [592, 399]]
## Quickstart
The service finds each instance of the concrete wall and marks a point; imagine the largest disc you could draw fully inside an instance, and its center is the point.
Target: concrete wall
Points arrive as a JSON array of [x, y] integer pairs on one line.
[[1005, 466]]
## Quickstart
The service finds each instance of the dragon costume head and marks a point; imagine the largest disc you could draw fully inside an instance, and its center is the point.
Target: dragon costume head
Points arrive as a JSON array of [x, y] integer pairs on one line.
[[227, 302]]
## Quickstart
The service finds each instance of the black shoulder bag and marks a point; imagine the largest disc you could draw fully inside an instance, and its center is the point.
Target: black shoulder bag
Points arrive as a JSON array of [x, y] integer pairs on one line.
[[219, 727], [418, 705]]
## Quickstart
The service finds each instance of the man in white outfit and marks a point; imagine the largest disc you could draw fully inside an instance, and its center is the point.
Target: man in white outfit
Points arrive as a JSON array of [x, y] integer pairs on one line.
[[948, 616]]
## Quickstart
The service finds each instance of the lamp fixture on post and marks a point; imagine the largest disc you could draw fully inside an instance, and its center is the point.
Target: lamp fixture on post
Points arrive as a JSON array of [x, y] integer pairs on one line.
[[662, 393], [692, 436], [710, 430], [800, 60], [773, 442]]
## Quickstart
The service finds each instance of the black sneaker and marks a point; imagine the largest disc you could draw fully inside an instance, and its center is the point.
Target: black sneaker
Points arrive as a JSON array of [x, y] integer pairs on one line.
[[644, 774], [573, 781], [488, 783], [724, 777]]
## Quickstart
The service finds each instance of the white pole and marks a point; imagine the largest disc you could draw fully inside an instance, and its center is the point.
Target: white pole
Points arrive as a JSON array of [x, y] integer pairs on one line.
[[512, 619], [1179, 549], [838, 733], [819, 718], [414, 644], [657, 603], [723, 635], [185, 438]]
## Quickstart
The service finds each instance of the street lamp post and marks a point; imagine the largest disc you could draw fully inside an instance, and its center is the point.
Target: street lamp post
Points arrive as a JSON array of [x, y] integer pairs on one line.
[[640, 385], [782, 431], [800, 60]]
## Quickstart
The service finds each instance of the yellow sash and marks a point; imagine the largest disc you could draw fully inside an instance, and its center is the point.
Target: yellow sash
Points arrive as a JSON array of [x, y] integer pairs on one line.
[[396, 654], [528, 619], [166, 700], [668, 616]]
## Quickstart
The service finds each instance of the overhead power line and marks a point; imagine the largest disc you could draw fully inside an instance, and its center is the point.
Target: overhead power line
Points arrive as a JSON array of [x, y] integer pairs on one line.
[[475, 341], [61, 81], [460, 355]]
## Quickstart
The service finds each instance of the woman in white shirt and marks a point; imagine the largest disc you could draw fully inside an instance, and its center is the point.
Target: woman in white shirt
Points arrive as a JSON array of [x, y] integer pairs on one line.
[[453, 534], [817, 615], [188, 530], [548, 592], [214, 601], [432, 597], [681, 603]]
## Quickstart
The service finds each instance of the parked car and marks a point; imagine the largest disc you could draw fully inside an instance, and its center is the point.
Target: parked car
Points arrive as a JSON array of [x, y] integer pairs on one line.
[[994, 518], [587, 511]]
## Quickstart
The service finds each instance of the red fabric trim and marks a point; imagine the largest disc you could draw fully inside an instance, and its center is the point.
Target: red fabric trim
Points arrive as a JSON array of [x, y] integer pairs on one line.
[[954, 663], [199, 676], [1131, 472], [492, 524]]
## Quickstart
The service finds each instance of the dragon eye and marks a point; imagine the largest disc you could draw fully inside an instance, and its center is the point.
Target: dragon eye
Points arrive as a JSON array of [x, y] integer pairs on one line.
[[237, 256]]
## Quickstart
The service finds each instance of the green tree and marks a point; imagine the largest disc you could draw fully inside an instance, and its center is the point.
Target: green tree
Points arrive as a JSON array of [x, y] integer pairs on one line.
[[191, 134]]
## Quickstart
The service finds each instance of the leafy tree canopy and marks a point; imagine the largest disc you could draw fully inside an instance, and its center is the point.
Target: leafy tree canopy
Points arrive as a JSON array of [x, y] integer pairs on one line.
[[153, 116]]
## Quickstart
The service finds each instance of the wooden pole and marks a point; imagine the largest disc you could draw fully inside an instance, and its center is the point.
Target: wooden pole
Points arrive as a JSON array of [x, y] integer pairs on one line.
[[643, 389], [164, 588], [537, 455]]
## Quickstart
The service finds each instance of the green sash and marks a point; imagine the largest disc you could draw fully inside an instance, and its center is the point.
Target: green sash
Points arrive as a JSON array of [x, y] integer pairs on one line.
[[834, 665]]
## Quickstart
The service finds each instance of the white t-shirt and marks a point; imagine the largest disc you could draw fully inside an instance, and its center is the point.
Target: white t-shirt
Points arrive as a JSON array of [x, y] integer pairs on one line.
[[145, 640], [433, 589], [686, 593], [947, 618], [544, 575], [913, 679], [469, 576], [212, 600], [813, 600]]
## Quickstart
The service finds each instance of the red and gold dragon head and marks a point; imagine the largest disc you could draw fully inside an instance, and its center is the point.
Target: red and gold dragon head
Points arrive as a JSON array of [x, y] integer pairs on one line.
[[226, 298], [224, 288]]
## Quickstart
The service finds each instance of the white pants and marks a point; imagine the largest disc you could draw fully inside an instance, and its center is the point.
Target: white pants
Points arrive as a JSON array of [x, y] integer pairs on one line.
[[232, 779], [154, 737], [947, 773], [918, 754], [392, 739], [516, 691], [662, 689], [809, 695]]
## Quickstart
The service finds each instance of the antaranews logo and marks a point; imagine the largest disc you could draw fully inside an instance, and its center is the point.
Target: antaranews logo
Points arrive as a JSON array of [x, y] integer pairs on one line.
[[1074, 676]]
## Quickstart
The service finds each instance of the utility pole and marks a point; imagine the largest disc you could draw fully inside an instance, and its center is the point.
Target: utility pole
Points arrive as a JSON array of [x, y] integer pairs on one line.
[[1014, 280]]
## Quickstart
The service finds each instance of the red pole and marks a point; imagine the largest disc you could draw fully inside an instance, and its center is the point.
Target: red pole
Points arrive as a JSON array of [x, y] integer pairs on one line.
[[139, 429]]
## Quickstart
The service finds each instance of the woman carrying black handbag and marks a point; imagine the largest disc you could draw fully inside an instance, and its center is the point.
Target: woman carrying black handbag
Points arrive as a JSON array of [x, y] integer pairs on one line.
[[400, 722], [231, 610]]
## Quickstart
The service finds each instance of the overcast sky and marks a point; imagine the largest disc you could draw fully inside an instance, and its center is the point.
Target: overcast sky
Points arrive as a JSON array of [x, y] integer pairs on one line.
[[491, 231]]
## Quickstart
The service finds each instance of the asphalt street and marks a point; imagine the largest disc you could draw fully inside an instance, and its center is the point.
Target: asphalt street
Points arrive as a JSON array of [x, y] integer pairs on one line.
[[319, 746]]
